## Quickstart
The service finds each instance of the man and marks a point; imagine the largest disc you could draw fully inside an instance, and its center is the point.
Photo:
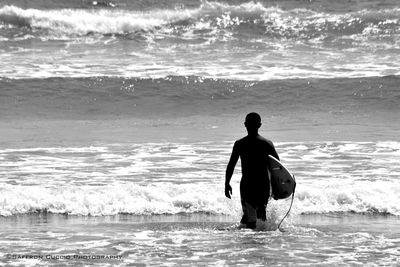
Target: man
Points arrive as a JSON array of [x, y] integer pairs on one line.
[[253, 151]]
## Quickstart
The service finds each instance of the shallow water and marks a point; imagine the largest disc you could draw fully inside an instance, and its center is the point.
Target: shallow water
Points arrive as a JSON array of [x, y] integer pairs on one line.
[[200, 240]]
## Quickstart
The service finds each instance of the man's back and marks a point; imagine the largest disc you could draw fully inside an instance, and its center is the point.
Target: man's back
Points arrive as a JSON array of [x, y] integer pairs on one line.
[[253, 152]]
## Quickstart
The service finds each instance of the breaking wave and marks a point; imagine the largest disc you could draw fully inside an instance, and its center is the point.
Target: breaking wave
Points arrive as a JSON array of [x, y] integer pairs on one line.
[[172, 178], [368, 198], [251, 20]]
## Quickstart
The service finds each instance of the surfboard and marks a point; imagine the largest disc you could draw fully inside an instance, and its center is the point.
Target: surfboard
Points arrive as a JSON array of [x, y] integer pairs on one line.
[[282, 181]]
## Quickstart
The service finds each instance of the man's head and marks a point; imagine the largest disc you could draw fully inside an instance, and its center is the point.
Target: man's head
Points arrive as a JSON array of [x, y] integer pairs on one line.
[[252, 122]]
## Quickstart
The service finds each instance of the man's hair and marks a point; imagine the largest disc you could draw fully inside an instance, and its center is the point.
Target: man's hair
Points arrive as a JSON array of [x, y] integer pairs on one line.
[[253, 119]]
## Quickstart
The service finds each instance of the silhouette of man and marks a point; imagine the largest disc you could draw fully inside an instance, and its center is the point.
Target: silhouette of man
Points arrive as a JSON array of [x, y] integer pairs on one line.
[[253, 151]]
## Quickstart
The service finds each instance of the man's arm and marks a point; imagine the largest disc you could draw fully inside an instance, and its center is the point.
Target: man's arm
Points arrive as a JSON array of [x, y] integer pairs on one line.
[[229, 170]]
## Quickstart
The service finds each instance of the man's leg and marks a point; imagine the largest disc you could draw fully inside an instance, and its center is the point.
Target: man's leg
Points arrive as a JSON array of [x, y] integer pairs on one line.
[[244, 209], [261, 213], [251, 213]]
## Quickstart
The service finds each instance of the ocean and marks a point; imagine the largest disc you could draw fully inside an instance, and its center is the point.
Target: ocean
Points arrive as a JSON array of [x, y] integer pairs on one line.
[[118, 119]]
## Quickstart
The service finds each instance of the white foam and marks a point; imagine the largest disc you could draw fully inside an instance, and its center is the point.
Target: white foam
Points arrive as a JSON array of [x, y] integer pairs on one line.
[[82, 22], [170, 178], [379, 197], [116, 199]]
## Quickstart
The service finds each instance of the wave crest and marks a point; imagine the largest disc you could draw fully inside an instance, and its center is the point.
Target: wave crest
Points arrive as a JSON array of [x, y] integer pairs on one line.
[[370, 198], [81, 22], [112, 200], [210, 18], [366, 197]]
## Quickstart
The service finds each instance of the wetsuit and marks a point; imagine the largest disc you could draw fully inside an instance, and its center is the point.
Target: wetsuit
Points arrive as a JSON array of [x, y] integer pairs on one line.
[[254, 185]]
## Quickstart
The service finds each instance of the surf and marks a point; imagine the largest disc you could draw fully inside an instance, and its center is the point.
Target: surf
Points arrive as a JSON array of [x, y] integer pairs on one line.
[[82, 22], [171, 178], [371, 198], [209, 16]]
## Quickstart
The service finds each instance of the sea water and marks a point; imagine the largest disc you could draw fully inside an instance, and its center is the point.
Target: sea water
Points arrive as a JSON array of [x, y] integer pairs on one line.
[[118, 118]]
